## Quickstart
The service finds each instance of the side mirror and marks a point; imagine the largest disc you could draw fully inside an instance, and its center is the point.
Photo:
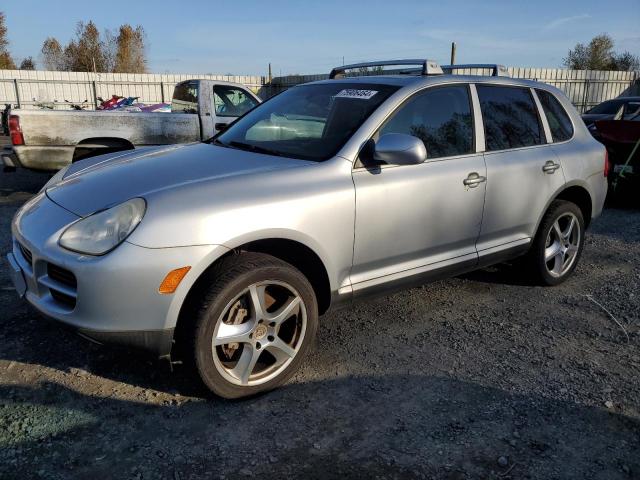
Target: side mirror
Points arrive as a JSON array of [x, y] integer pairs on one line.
[[399, 149]]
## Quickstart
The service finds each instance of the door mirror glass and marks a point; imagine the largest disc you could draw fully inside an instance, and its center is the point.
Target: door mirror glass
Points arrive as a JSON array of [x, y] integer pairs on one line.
[[399, 149]]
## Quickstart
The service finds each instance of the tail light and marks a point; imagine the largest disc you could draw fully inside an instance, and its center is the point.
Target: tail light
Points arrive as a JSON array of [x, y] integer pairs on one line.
[[607, 163], [15, 132]]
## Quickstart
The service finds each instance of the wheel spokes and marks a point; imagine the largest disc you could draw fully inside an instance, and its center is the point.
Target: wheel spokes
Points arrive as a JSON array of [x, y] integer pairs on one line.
[[285, 312], [256, 294], [551, 251], [558, 262], [233, 333], [281, 350], [566, 234], [247, 328], [557, 230], [247, 362]]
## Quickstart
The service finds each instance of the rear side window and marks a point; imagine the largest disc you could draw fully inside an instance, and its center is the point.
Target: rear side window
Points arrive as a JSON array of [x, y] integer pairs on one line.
[[510, 117], [185, 98], [559, 121], [440, 117]]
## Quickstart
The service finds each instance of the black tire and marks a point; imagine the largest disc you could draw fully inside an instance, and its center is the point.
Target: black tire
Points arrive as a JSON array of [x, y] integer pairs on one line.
[[229, 279], [535, 260]]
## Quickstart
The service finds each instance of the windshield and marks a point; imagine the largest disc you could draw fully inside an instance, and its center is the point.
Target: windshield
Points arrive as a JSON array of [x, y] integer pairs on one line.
[[310, 122]]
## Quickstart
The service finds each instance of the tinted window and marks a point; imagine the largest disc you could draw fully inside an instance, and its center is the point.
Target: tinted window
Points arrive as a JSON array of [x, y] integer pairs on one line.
[[632, 111], [231, 101], [559, 121], [440, 117], [308, 122], [185, 98], [609, 107], [510, 117]]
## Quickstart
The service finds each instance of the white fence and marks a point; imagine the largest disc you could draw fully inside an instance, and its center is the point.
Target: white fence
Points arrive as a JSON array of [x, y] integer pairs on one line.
[[33, 89], [38, 88]]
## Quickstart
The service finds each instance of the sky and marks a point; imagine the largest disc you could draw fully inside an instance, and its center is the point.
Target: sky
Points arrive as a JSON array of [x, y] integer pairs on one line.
[[305, 37]]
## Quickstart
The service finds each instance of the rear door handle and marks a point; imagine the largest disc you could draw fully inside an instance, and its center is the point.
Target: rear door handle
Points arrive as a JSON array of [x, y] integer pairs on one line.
[[550, 167], [473, 180]]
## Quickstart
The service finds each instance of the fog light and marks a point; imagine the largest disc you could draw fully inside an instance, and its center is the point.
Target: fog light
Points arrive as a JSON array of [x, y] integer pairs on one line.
[[172, 280]]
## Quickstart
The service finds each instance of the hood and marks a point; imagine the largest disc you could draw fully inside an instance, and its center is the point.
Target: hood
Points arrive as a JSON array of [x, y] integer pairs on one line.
[[101, 182]]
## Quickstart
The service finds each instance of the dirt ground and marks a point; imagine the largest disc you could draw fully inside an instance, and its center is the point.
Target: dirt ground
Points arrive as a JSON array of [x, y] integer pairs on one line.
[[482, 376]]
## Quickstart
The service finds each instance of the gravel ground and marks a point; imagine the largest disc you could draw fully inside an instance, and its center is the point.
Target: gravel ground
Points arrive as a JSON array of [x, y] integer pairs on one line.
[[481, 376]]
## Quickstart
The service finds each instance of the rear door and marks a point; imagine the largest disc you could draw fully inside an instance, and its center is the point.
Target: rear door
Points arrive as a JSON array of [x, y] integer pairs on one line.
[[415, 220], [522, 169]]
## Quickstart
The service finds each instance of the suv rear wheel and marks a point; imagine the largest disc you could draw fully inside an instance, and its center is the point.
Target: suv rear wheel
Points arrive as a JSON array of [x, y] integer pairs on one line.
[[254, 326], [558, 244]]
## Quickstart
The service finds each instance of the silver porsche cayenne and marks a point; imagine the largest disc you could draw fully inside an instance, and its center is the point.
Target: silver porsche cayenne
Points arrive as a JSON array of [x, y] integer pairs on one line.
[[227, 252]]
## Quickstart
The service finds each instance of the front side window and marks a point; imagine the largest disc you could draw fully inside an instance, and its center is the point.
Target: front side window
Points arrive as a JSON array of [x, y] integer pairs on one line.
[[185, 98], [631, 111], [557, 117], [440, 117], [231, 101], [310, 122], [510, 117]]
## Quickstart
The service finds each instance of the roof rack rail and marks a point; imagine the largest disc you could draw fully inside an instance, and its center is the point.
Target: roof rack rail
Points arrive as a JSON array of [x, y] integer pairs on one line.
[[429, 67], [497, 70]]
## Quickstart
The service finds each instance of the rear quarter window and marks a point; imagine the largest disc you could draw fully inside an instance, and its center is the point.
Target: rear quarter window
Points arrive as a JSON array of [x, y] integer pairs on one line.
[[557, 117], [510, 117]]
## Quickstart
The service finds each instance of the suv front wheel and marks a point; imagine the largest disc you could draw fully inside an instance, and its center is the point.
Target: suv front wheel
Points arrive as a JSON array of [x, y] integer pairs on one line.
[[558, 244], [254, 326]]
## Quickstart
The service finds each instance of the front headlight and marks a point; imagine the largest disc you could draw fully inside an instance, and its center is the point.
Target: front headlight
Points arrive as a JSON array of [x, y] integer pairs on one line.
[[56, 178], [101, 232]]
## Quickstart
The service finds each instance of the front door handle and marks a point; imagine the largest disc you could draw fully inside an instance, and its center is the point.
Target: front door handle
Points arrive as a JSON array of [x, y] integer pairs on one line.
[[550, 167], [473, 180]]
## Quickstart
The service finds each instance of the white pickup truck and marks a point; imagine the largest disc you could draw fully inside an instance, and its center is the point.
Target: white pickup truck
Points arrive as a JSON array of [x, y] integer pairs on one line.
[[51, 139]]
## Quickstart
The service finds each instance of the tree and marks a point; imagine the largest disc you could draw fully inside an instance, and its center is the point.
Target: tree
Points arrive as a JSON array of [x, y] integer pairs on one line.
[[124, 52], [52, 55], [6, 62], [28, 64], [626, 61], [130, 55], [599, 55], [86, 52]]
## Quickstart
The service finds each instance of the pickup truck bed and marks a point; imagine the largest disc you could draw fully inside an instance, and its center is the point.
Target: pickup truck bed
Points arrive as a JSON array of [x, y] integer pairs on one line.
[[51, 139]]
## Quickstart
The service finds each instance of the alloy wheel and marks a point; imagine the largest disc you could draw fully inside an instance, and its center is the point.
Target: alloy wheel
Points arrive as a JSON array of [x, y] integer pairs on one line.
[[259, 333], [562, 244]]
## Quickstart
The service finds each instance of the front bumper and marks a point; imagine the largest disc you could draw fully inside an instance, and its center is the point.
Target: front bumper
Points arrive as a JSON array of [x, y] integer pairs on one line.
[[112, 298]]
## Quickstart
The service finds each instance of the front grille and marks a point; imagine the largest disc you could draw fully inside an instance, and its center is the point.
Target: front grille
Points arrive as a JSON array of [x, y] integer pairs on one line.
[[26, 253], [63, 298], [62, 275]]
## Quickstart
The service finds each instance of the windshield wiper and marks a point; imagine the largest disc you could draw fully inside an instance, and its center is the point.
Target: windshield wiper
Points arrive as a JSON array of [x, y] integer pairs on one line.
[[254, 148]]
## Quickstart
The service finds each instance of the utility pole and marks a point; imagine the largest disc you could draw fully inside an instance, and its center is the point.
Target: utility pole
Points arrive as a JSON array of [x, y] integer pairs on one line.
[[453, 53]]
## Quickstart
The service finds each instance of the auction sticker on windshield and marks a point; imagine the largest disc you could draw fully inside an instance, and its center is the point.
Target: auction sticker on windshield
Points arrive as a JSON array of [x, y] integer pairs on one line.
[[354, 93]]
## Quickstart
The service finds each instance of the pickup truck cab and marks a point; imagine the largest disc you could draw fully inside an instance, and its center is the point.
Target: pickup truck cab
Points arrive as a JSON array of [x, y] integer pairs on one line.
[[52, 139]]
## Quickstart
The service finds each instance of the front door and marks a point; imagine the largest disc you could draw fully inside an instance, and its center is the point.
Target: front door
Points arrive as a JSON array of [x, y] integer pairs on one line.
[[229, 103], [415, 220]]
